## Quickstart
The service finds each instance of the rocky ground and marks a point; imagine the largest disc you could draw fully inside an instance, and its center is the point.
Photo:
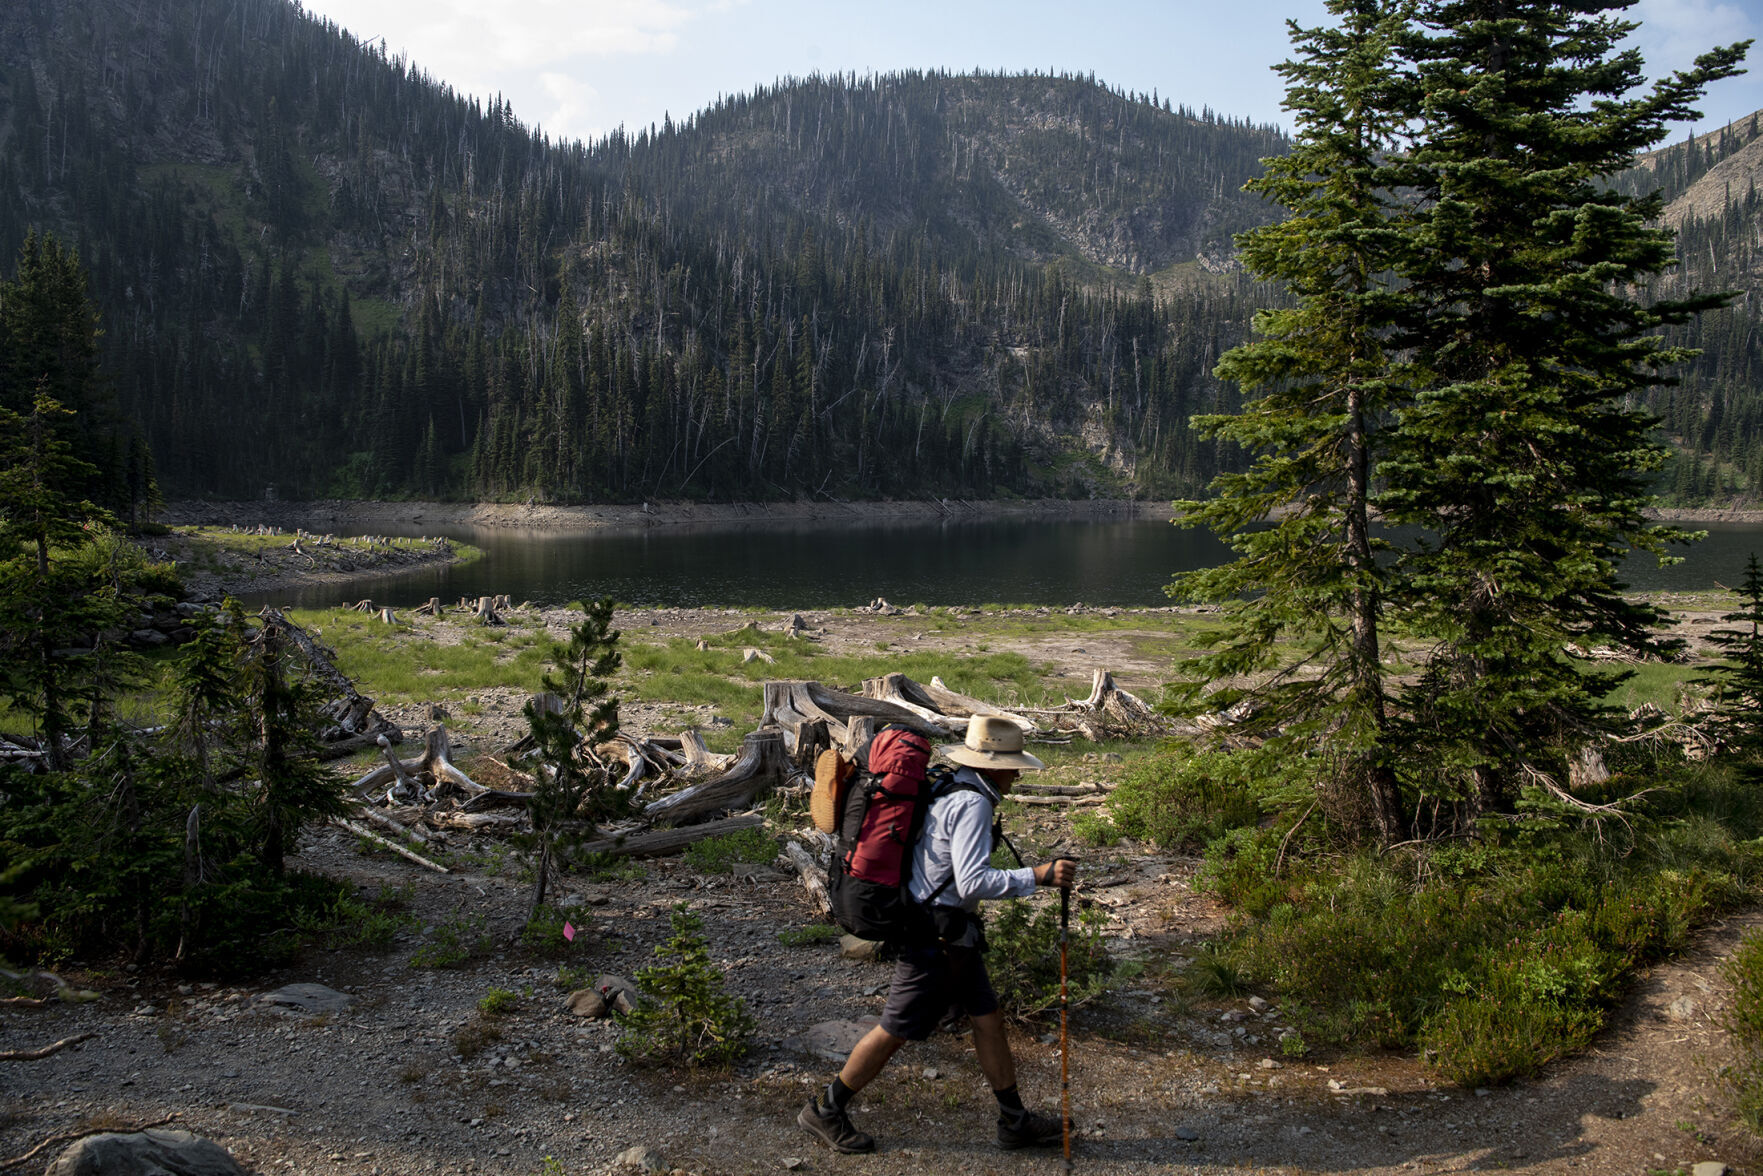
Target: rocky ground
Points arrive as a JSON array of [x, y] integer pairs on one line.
[[403, 1073], [388, 1081]]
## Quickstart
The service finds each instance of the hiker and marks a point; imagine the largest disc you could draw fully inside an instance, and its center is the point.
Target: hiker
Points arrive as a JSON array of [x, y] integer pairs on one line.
[[951, 872]]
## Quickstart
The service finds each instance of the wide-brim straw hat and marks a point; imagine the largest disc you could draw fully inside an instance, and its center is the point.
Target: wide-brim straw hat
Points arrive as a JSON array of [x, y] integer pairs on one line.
[[992, 742]]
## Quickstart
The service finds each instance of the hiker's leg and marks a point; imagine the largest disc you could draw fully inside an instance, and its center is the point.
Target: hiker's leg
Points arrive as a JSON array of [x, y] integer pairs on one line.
[[868, 1058], [992, 1045]]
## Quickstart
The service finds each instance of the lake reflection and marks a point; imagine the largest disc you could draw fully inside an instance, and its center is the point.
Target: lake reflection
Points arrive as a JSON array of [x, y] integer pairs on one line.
[[821, 565]]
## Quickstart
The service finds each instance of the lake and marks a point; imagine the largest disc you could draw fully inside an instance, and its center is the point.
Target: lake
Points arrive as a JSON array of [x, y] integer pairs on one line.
[[824, 565]]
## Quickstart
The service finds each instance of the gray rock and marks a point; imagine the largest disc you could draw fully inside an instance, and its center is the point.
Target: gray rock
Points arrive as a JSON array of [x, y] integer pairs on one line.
[[311, 999], [155, 1152], [853, 948], [586, 1002], [831, 1040], [1186, 1134], [618, 992], [1258, 1004], [148, 637], [640, 1157], [1682, 1009], [1709, 1168]]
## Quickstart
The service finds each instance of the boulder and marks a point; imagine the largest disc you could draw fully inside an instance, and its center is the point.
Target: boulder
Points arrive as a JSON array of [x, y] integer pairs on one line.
[[854, 948], [587, 1002], [618, 992], [831, 1040], [311, 999], [640, 1157], [155, 1152]]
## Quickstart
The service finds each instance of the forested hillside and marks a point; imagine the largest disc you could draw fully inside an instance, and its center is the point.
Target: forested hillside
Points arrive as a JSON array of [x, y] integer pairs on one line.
[[1715, 413], [321, 272]]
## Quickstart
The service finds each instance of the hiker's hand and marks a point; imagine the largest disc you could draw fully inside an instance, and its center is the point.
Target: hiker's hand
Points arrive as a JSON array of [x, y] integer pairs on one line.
[[1060, 872]]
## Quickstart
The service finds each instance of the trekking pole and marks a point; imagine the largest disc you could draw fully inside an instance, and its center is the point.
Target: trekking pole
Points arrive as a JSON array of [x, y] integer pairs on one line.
[[1064, 1026]]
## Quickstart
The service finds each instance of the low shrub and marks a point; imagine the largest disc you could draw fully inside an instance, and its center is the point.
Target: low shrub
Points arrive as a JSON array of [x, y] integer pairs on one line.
[[498, 1002], [544, 934], [1492, 957], [1181, 797], [720, 855], [812, 933], [1024, 958], [683, 1015], [454, 943], [1744, 1020]]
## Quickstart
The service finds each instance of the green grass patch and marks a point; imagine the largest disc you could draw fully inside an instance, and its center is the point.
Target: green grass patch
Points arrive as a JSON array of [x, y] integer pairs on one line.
[[386, 663], [808, 935], [454, 943]]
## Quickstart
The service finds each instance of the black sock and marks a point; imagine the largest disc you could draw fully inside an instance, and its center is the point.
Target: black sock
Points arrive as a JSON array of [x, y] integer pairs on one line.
[[1010, 1101], [838, 1095]]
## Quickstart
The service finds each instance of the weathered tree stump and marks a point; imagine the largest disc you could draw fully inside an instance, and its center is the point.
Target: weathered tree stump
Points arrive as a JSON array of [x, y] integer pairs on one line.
[[763, 764]]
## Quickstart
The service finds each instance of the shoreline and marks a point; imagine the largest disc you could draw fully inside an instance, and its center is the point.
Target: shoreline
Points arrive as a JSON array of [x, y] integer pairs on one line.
[[331, 514]]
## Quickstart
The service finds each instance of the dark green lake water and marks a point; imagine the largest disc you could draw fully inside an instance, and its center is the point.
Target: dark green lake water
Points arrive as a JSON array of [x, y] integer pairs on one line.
[[1061, 562]]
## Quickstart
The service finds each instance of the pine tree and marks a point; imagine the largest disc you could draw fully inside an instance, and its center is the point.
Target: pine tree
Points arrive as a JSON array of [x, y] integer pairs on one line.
[[1521, 459], [1738, 680], [572, 783], [1306, 592]]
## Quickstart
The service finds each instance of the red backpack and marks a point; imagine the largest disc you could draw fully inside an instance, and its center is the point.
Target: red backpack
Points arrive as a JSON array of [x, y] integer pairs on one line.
[[879, 823]]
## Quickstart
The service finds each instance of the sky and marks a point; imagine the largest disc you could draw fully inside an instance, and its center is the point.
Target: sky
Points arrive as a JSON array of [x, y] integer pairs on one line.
[[581, 68]]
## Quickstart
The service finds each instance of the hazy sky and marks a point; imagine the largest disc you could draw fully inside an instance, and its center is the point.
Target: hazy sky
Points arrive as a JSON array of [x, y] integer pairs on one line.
[[580, 68]]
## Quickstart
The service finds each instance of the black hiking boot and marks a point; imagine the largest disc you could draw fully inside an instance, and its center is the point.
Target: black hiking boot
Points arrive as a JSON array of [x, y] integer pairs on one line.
[[1028, 1129], [834, 1129]]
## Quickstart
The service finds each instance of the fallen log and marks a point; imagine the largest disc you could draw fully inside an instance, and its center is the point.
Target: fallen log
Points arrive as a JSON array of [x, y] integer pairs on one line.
[[661, 842], [365, 833], [474, 822], [762, 765], [1067, 801], [32, 1055], [813, 877], [397, 826], [792, 706]]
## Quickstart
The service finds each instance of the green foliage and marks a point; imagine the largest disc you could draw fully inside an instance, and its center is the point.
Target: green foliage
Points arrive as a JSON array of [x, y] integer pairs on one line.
[[720, 855], [574, 787], [808, 935], [1744, 1020], [1024, 958], [543, 933], [1493, 957], [1738, 681], [498, 1002], [353, 921], [684, 1016], [455, 942], [1182, 797]]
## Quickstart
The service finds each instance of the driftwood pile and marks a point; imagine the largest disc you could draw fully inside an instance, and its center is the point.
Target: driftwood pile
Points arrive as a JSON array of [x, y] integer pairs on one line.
[[683, 793]]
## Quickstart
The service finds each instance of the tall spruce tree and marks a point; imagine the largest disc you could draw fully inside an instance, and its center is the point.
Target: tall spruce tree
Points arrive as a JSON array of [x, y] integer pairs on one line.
[[1522, 459], [1305, 597]]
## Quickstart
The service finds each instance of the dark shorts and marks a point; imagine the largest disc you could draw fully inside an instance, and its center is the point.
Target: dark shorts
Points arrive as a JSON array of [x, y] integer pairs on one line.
[[928, 982]]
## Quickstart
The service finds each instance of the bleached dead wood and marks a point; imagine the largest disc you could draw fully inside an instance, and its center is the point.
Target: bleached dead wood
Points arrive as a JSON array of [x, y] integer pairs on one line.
[[813, 877], [409, 829], [365, 833], [958, 705], [1067, 801], [792, 706], [435, 762], [474, 822], [763, 764], [32, 1055], [661, 842]]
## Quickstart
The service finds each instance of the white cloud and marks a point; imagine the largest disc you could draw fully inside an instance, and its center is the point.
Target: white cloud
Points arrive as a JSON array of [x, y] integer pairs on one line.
[[574, 105], [1674, 33]]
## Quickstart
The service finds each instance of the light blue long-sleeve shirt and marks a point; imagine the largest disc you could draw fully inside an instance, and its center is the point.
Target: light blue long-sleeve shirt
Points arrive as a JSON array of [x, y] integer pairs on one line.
[[957, 838]]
